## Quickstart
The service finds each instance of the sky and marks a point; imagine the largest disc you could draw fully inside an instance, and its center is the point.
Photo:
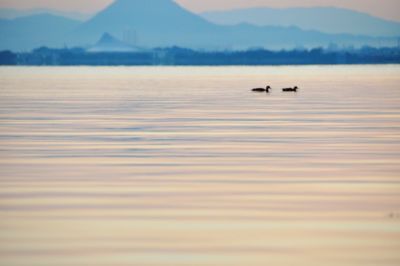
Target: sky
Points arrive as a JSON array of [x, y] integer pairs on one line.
[[388, 9]]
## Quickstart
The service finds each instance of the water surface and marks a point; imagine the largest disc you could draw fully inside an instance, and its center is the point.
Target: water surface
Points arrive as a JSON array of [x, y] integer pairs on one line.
[[185, 166]]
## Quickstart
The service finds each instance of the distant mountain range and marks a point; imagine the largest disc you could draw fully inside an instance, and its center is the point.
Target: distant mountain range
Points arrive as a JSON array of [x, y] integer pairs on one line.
[[325, 19], [161, 23], [10, 13], [27, 33]]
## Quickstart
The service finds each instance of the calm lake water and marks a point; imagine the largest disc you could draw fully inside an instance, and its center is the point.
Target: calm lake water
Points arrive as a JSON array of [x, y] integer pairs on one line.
[[186, 167]]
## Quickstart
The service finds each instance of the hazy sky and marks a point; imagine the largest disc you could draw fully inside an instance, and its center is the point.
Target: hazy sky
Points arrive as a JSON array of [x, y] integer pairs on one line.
[[383, 8]]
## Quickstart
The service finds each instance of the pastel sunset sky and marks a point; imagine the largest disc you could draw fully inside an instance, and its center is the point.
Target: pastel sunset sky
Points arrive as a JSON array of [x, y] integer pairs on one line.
[[388, 9]]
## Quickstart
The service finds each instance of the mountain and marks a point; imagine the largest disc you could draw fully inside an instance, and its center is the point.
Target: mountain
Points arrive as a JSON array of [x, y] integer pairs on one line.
[[325, 19], [165, 23], [162, 23], [156, 23], [10, 13], [108, 43], [26, 33]]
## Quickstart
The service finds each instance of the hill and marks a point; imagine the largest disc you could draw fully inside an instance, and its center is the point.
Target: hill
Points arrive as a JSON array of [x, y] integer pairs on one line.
[[162, 23], [30, 32], [156, 23], [325, 19], [165, 23], [10, 13], [109, 44]]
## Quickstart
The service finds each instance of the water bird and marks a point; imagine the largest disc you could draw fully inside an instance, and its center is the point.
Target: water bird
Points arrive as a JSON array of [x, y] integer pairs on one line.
[[267, 89], [290, 89]]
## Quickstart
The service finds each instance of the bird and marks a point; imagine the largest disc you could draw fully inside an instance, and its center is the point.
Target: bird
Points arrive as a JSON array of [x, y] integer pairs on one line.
[[290, 89], [267, 89]]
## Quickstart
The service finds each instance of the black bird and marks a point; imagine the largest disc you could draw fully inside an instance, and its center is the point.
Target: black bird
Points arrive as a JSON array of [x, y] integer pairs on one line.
[[290, 89], [267, 89]]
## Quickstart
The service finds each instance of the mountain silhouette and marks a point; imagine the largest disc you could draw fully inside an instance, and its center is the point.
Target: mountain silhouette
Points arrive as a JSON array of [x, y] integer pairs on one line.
[[26, 33], [325, 19], [109, 43], [156, 23], [11, 13], [163, 23]]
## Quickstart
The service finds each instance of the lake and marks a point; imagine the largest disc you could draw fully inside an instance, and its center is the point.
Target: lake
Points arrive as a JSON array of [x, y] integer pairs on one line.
[[178, 166]]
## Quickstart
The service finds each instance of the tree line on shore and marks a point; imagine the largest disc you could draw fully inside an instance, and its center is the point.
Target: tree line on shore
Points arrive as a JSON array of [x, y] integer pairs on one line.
[[181, 56]]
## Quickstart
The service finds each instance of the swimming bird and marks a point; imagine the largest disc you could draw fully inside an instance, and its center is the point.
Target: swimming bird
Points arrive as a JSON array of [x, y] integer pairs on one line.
[[290, 89], [267, 89]]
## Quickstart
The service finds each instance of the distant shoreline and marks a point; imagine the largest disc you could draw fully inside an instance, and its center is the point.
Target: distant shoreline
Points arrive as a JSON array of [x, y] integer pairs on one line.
[[177, 56], [166, 66]]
